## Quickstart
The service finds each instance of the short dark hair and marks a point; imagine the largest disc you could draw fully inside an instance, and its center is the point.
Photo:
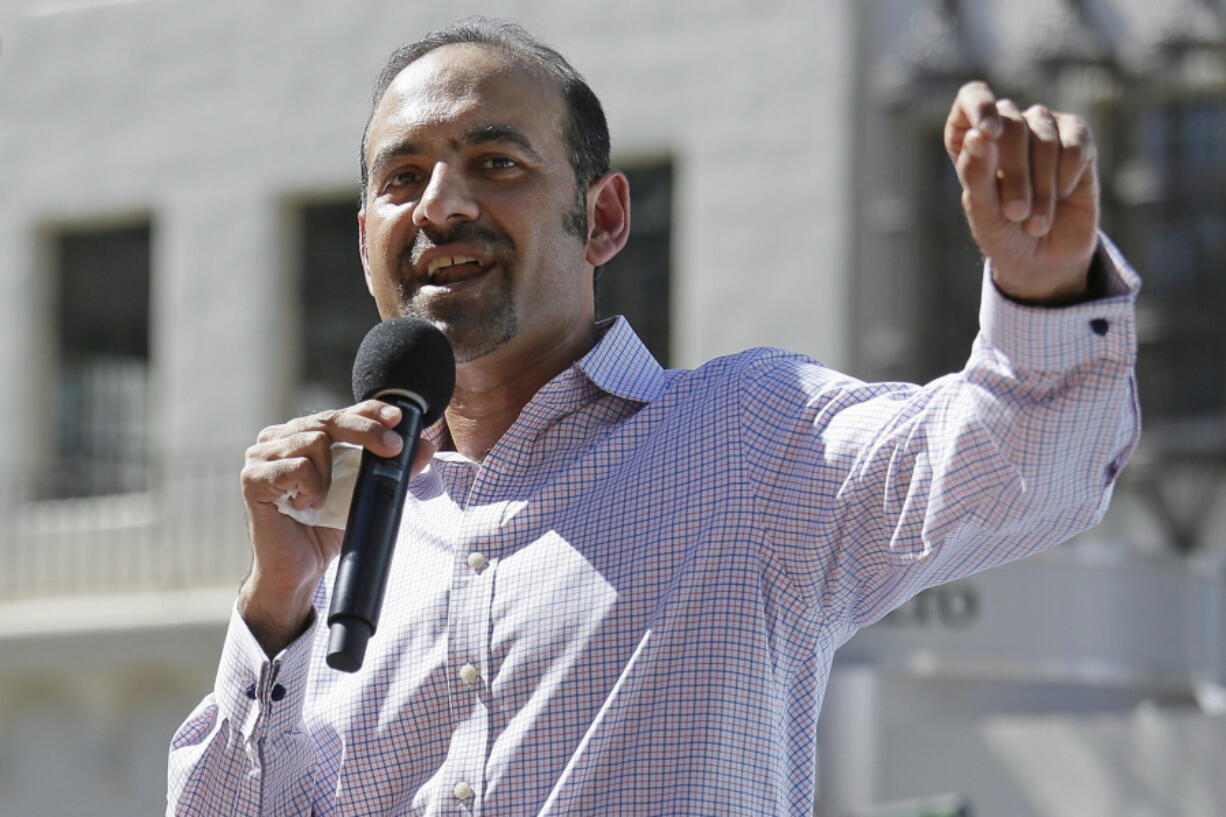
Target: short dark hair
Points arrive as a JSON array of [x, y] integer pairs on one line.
[[584, 131]]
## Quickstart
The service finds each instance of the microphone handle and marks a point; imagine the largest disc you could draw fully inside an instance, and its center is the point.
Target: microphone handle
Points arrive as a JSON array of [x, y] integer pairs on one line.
[[370, 539]]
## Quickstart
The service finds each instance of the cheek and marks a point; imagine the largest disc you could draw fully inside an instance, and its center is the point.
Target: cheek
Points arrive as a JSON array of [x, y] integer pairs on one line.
[[385, 224], [386, 210]]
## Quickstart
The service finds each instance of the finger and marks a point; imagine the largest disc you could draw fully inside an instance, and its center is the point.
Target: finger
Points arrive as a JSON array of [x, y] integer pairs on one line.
[[977, 172], [304, 448], [308, 486], [266, 481], [367, 424], [974, 108], [1044, 165], [359, 416], [1077, 152], [271, 433], [385, 413], [1013, 172], [376, 410], [315, 447]]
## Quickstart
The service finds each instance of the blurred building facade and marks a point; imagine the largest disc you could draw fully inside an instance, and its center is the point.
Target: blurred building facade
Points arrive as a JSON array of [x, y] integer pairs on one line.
[[177, 255]]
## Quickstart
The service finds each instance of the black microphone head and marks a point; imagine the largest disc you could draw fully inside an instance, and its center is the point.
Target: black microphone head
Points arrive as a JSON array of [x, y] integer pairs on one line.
[[409, 354]]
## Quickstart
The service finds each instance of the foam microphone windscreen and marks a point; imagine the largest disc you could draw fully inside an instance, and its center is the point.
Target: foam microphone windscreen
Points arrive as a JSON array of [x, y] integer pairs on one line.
[[406, 354]]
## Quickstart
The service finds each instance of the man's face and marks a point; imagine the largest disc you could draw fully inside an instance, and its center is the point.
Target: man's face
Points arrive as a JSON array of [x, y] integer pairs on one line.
[[472, 219]]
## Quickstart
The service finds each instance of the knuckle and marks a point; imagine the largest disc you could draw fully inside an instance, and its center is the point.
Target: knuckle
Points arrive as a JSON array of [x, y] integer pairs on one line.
[[1075, 122], [324, 418], [291, 472], [267, 433], [296, 467], [252, 476], [315, 438], [1076, 130], [1015, 125]]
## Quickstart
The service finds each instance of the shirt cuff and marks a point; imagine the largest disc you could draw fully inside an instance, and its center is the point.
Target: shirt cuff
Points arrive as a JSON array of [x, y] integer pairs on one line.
[[258, 695], [1060, 337]]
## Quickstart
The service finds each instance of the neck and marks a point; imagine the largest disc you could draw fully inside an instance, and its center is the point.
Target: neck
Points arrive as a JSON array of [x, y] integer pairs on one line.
[[491, 391]]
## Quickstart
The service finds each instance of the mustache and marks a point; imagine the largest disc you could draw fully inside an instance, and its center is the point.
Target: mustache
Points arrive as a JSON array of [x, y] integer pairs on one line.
[[477, 236]]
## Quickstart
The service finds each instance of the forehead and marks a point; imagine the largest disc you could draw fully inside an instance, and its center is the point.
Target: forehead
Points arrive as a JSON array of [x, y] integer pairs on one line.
[[458, 86]]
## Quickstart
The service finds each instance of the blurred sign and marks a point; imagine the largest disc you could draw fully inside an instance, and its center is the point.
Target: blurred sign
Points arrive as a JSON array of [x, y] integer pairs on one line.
[[944, 805], [1105, 618], [953, 605]]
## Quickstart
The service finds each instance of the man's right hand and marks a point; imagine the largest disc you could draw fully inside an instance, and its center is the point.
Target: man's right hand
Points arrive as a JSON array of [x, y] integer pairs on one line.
[[288, 557]]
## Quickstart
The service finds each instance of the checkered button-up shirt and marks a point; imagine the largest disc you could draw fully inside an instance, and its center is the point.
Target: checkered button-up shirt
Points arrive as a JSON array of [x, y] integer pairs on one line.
[[631, 605]]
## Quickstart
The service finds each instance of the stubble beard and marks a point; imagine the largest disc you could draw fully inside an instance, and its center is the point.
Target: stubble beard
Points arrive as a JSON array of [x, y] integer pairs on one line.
[[474, 326], [476, 330]]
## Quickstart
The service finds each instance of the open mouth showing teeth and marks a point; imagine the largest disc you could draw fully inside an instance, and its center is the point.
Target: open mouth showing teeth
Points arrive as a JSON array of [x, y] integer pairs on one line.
[[451, 269]]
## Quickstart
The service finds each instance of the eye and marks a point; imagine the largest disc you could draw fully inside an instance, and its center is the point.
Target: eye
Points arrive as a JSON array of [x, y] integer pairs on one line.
[[499, 163], [403, 178]]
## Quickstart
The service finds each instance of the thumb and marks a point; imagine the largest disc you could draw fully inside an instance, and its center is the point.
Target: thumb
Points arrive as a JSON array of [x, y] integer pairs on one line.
[[421, 456]]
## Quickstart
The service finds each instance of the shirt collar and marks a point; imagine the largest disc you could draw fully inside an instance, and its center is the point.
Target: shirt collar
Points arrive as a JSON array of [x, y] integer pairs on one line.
[[618, 364]]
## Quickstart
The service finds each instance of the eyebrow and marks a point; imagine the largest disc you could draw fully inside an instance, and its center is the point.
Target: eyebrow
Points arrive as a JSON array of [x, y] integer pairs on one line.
[[476, 135], [486, 134]]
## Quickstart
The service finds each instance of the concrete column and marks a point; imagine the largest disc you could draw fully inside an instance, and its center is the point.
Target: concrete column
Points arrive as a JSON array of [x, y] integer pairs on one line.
[[223, 325], [223, 317], [24, 352], [847, 741]]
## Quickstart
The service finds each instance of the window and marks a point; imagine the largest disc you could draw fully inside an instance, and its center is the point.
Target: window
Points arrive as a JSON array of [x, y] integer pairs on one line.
[[948, 298], [1167, 202], [636, 283], [335, 308], [102, 336]]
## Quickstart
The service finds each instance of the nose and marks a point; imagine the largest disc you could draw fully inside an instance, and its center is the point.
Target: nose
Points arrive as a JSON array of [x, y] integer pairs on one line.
[[445, 200]]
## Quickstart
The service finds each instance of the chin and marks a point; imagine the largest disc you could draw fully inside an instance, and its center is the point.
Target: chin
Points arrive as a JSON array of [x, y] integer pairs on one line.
[[473, 343], [472, 336]]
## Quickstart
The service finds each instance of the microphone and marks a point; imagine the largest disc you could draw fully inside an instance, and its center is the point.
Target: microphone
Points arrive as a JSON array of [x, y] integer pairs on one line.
[[408, 363]]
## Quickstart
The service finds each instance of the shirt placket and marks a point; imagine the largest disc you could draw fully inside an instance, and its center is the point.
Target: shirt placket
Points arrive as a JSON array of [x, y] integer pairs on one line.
[[468, 627], [476, 550]]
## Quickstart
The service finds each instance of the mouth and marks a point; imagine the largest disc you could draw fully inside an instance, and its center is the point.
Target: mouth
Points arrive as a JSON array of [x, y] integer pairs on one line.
[[445, 274], [450, 269]]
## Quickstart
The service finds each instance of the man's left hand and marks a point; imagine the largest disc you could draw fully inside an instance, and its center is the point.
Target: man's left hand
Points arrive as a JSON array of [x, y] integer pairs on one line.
[[1030, 192]]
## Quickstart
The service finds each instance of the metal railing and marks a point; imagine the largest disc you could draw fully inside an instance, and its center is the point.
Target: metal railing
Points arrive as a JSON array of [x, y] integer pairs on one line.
[[185, 531]]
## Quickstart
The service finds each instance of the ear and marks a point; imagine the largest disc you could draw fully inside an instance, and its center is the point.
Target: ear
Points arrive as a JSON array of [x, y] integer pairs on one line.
[[608, 217], [362, 251]]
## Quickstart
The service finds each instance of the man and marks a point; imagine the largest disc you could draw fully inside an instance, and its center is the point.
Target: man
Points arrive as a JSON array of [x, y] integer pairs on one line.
[[618, 589]]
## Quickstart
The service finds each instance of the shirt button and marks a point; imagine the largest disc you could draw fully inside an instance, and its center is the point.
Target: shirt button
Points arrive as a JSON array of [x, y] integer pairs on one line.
[[469, 674], [477, 561], [462, 791]]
